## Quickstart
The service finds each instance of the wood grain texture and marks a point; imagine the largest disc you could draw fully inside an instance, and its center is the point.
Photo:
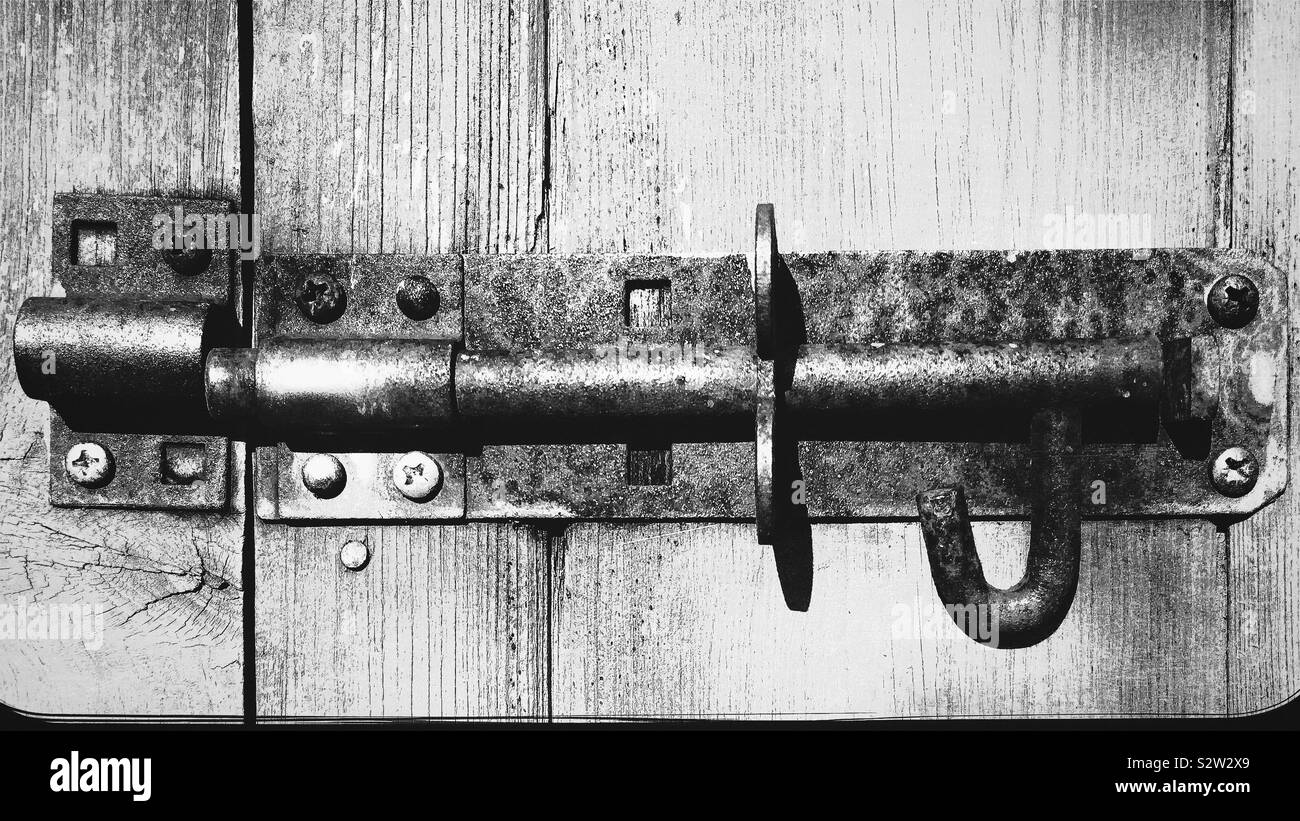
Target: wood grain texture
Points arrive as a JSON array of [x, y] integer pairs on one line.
[[882, 125], [134, 98], [443, 622], [688, 621], [1264, 570], [415, 128], [411, 127]]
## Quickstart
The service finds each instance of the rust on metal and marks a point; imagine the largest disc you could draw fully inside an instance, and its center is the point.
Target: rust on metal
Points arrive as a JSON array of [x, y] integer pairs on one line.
[[120, 357], [1107, 375], [1030, 610], [323, 385], [625, 381]]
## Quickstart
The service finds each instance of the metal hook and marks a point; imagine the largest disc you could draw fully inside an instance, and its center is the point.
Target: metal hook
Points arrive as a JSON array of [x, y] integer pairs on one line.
[[1032, 609]]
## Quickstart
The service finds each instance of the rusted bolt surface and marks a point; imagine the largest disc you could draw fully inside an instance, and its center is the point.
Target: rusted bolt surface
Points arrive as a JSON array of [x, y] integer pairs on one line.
[[417, 297], [1233, 300], [417, 476], [323, 475], [354, 555], [1234, 471], [89, 464], [321, 298]]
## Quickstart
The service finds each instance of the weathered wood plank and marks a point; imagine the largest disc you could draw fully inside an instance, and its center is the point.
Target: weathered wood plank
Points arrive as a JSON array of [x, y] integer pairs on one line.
[[417, 128], [400, 127], [443, 621], [1264, 575], [688, 621], [133, 98], [882, 125], [879, 124]]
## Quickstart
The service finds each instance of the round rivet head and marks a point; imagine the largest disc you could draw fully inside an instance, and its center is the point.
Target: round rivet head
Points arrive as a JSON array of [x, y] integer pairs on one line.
[[321, 298], [188, 261], [417, 297], [1233, 301], [89, 464], [323, 475], [1234, 471], [417, 476], [354, 555]]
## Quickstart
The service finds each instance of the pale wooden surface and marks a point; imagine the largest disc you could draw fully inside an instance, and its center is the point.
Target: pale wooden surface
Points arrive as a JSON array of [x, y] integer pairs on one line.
[[412, 128], [135, 98], [443, 621], [688, 621], [881, 125], [1264, 569]]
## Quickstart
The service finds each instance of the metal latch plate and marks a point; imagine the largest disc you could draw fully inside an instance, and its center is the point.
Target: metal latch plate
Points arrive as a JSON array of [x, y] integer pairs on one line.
[[892, 297], [102, 245], [923, 297]]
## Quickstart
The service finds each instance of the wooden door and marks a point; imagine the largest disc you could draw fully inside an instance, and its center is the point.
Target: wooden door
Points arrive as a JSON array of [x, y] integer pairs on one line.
[[526, 126]]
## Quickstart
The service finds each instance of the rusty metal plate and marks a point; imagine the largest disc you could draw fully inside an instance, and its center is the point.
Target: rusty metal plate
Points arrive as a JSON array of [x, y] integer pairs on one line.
[[369, 493], [872, 468], [127, 263], [144, 478], [861, 468], [370, 285], [103, 245], [370, 310], [710, 480], [1000, 296], [526, 302]]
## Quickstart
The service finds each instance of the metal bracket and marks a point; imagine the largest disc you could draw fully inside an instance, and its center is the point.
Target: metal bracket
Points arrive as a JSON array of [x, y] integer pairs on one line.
[[104, 257], [1009, 297], [364, 297]]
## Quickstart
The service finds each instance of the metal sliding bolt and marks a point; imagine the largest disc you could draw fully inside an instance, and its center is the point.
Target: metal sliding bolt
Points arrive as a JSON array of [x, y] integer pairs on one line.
[[1233, 300], [417, 476], [323, 475], [89, 464], [1234, 471], [321, 298], [354, 555]]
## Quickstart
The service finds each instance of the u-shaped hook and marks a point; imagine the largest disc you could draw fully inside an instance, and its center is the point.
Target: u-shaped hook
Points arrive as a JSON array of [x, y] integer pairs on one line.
[[1034, 607]]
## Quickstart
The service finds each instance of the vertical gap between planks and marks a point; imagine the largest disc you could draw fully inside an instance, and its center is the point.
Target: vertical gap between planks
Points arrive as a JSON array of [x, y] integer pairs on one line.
[[247, 270], [554, 549], [554, 535], [1223, 238], [550, 93], [1225, 166]]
